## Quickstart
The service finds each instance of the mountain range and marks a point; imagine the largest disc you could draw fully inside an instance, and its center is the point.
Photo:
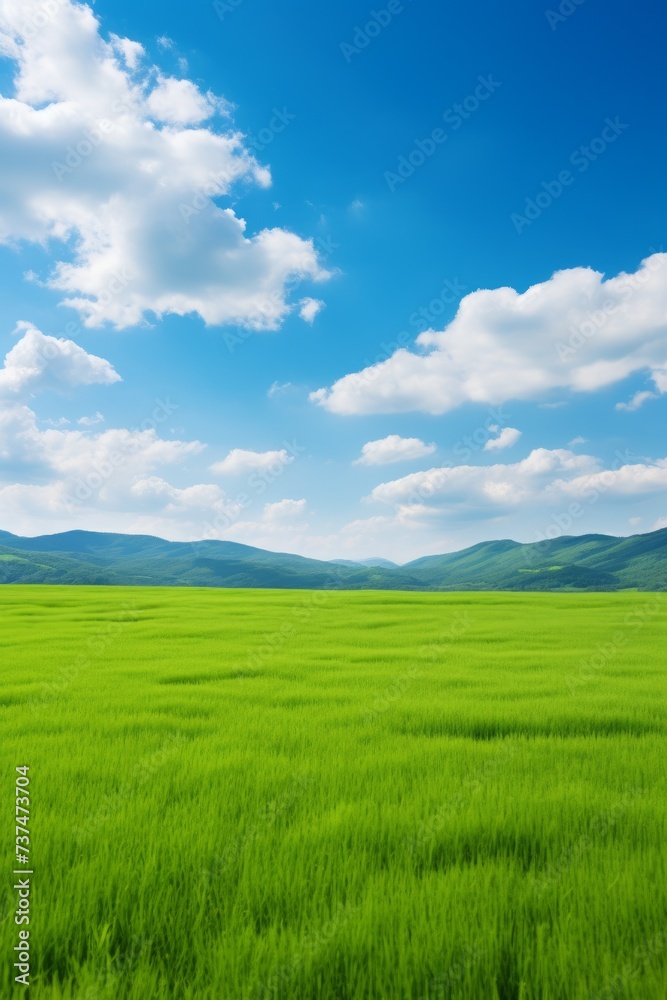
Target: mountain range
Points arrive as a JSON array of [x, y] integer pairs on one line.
[[569, 563]]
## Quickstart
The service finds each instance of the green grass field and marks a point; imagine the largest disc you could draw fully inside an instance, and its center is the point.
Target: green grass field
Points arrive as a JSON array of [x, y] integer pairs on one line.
[[345, 796]]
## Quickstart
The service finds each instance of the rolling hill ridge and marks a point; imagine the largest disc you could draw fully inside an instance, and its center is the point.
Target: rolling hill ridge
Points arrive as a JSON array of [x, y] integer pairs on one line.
[[570, 563]]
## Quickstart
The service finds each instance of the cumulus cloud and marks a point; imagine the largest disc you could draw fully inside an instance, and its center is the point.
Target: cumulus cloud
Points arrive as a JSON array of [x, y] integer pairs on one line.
[[284, 510], [282, 526], [575, 331], [632, 480], [130, 51], [111, 458], [546, 477], [179, 102], [239, 462], [110, 481], [38, 361], [507, 437], [202, 496], [310, 308], [110, 159], [55, 477], [392, 449]]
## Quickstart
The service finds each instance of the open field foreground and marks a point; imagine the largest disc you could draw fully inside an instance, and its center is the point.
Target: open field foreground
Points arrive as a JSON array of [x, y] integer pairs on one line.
[[341, 796]]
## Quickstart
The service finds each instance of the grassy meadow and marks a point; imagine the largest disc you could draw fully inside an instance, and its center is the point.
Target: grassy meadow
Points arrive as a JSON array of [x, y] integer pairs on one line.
[[337, 796]]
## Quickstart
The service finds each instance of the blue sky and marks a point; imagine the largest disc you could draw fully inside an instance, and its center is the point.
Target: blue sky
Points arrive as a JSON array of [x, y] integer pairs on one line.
[[423, 162]]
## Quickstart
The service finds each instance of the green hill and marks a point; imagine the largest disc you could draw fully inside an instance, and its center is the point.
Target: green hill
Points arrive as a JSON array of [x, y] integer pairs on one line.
[[584, 563]]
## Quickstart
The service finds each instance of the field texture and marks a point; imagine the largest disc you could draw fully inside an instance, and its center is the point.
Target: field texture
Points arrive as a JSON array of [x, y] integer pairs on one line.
[[345, 796]]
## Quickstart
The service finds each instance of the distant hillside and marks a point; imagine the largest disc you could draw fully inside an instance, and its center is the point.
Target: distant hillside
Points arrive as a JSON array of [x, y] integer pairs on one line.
[[586, 562]]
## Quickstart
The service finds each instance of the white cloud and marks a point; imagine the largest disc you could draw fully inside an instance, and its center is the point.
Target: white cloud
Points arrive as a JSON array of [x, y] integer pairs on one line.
[[56, 478], [92, 479], [545, 478], [202, 497], [238, 462], [393, 448], [310, 308], [282, 526], [636, 402], [284, 510], [507, 437], [575, 331], [113, 457], [130, 201], [38, 361], [132, 52], [471, 487], [577, 440], [179, 102], [97, 418], [634, 480], [398, 535]]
